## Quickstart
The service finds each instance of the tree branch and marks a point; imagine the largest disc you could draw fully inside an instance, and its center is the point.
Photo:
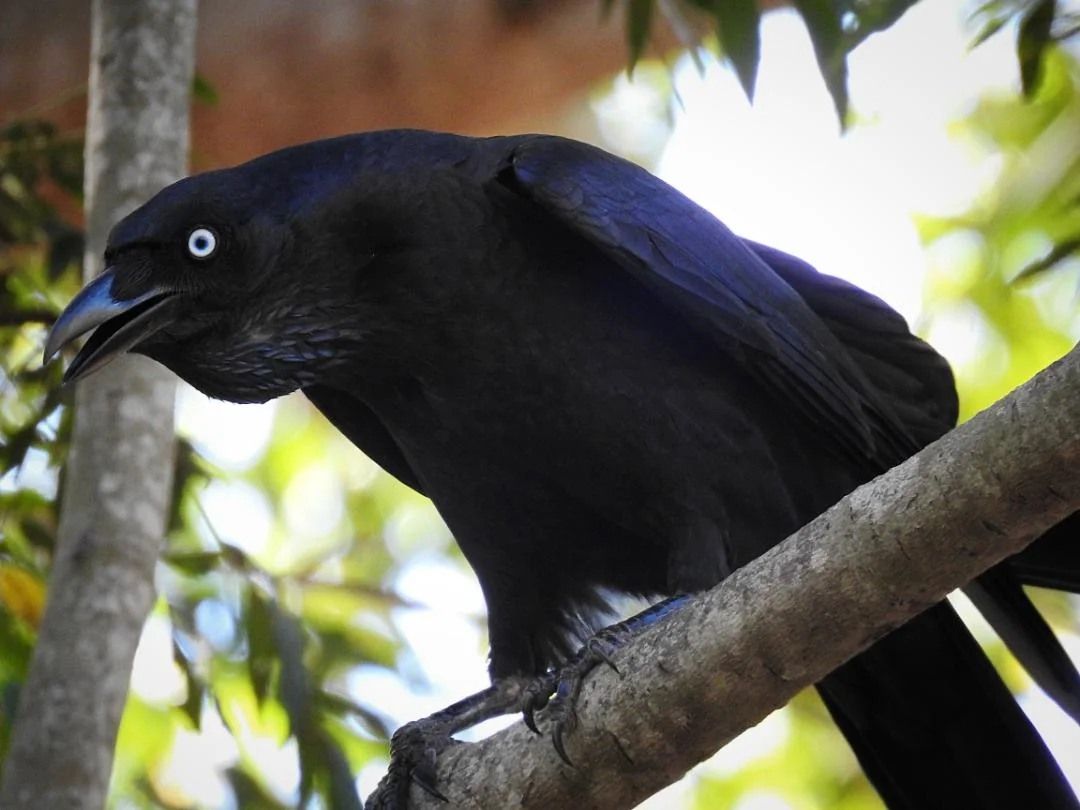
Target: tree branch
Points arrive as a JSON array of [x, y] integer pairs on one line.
[[119, 474], [886, 552]]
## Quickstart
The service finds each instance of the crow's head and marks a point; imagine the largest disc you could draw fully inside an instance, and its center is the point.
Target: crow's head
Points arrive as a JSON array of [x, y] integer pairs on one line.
[[238, 280]]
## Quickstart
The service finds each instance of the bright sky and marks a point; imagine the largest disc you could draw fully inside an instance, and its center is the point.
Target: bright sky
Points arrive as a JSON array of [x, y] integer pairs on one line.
[[779, 172]]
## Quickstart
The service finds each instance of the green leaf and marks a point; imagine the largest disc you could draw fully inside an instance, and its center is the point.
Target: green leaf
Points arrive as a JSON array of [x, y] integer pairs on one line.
[[869, 18], [1031, 43], [990, 28], [1061, 251], [822, 19], [194, 563], [338, 705], [638, 23], [65, 249], [294, 687], [261, 652], [250, 793], [64, 159], [192, 706], [342, 788], [202, 91], [738, 24]]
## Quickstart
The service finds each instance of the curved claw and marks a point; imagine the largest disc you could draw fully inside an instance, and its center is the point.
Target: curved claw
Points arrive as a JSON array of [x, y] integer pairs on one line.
[[568, 679], [567, 685], [423, 773], [528, 715], [564, 718], [537, 696], [414, 752], [557, 741], [428, 786], [597, 648]]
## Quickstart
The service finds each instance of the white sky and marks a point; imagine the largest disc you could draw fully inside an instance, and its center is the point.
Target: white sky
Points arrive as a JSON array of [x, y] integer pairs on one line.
[[779, 172]]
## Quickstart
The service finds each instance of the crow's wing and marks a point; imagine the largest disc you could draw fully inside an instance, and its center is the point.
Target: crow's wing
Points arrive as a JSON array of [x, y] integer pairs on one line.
[[715, 281], [915, 380], [837, 353]]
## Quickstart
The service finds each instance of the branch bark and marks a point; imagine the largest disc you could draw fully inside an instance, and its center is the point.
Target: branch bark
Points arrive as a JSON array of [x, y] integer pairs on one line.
[[119, 473], [889, 550]]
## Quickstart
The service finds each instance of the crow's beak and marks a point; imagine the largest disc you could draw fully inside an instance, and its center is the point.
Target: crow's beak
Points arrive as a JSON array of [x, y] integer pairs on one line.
[[121, 324]]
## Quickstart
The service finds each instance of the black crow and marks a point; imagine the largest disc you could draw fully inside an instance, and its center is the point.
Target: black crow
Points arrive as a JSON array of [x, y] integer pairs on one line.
[[599, 386]]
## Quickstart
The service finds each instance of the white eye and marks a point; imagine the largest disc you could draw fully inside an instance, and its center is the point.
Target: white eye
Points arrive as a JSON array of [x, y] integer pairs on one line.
[[201, 243]]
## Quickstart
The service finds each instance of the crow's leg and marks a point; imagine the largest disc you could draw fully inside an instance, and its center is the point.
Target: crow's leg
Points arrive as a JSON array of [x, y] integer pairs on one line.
[[569, 678], [415, 746]]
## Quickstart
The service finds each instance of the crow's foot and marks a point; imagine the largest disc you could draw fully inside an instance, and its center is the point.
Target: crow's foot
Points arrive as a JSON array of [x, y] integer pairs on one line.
[[414, 750], [561, 712], [566, 682], [416, 746]]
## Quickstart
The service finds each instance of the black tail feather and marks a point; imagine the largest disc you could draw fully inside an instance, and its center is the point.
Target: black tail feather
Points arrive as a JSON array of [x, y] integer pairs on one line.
[[933, 725], [1000, 597], [1052, 561]]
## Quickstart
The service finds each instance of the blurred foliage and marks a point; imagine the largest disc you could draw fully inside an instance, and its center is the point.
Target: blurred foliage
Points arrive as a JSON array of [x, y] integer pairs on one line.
[[836, 28], [260, 648], [39, 252], [265, 634], [247, 689], [1002, 297]]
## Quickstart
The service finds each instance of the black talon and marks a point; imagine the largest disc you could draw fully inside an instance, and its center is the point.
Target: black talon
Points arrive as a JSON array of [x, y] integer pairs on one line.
[[557, 741], [416, 746], [598, 649], [569, 678], [425, 785], [537, 696], [423, 773], [529, 716]]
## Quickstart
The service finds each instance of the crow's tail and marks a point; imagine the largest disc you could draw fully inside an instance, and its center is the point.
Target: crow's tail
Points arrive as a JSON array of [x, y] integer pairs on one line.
[[933, 725]]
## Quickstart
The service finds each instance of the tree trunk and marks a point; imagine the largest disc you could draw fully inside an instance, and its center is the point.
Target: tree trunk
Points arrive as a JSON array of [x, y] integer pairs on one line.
[[786, 620], [118, 477]]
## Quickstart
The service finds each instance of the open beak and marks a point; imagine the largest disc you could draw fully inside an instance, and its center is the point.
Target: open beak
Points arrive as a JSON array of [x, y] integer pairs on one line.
[[120, 325]]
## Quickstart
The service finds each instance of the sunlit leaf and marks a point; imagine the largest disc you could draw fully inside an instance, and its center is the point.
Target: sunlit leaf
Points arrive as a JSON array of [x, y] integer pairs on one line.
[[144, 741], [1061, 251], [340, 705], [349, 626]]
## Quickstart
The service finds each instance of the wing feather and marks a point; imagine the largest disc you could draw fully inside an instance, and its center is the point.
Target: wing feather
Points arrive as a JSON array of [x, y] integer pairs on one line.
[[716, 281]]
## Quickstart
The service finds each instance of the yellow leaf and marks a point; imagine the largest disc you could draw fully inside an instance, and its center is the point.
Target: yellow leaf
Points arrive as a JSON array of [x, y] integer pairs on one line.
[[22, 593]]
